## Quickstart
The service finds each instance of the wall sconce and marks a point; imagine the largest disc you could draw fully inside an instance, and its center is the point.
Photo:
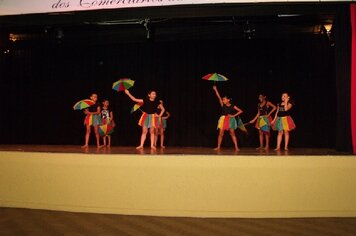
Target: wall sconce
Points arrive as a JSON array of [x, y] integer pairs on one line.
[[13, 37], [328, 28]]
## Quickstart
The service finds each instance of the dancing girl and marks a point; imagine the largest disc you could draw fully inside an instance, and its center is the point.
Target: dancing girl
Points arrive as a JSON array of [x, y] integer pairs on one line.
[[149, 117], [263, 120], [227, 121]]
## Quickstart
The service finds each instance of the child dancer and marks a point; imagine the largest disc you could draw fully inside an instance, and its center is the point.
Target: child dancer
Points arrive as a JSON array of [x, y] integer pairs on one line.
[[283, 122], [92, 119], [264, 110], [149, 117], [107, 118], [162, 126], [227, 121]]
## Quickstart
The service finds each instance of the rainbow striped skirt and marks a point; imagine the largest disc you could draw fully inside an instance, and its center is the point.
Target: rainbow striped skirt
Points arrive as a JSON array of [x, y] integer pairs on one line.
[[284, 123], [92, 120], [227, 123], [162, 123], [149, 121]]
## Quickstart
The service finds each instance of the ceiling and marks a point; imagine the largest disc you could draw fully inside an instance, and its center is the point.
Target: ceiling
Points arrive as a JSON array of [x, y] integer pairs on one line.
[[173, 23]]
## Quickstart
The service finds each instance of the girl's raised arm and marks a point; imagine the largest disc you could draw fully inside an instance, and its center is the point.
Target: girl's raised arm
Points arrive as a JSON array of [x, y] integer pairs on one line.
[[138, 100], [218, 95]]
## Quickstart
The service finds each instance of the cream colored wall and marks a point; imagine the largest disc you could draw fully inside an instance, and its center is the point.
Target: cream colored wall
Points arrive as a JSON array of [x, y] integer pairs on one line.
[[202, 186]]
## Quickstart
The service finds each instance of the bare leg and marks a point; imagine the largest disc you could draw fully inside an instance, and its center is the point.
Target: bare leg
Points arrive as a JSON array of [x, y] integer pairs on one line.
[[234, 139], [97, 136], [87, 135], [267, 142], [162, 138], [279, 140], [260, 134], [156, 136], [220, 138], [152, 137], [109, 140], [286, 139], [143, 137], [104, 140]]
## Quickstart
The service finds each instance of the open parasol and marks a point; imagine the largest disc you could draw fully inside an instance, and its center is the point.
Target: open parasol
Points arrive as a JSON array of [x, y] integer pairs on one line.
[[106, 129], [136, 107], [215, 77], [82, 104], [122, 84]]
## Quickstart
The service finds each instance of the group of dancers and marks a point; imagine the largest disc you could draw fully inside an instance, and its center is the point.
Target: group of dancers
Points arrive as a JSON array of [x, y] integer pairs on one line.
[[282, 121], [97, 115], [154, 120]]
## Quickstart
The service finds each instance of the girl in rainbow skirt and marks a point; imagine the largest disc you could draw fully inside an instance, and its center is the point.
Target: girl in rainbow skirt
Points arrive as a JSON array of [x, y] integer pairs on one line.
[[162, 126], [283, 122], [149, 118], [107, 121], [263, 120], [92, 118], [227, 121]]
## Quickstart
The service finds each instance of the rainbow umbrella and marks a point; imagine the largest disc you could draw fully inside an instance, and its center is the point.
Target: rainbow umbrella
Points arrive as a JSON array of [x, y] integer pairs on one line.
[[136, 107], [106, 129], [82, 104], [122, 84], [241, 125], [215, 77]]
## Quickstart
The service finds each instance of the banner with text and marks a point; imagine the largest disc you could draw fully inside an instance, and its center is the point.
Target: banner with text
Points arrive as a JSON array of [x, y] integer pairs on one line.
[[17, 7]]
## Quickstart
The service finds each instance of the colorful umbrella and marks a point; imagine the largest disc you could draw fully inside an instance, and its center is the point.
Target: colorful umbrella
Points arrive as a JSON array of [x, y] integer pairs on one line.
[[85, 103], [241, 125], [215, 77], [123, 84], [105, 129], [136, 107]]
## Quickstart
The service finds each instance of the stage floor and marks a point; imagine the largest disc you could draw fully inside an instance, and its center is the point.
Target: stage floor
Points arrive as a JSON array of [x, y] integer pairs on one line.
[[170, 150], [186, 181]]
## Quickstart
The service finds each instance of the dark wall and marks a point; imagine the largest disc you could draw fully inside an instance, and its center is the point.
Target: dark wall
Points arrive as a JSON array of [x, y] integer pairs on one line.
[[41, 81]]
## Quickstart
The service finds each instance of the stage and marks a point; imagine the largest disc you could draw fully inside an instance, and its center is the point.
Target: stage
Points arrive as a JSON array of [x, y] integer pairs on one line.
[[186, 181], [176, 151]]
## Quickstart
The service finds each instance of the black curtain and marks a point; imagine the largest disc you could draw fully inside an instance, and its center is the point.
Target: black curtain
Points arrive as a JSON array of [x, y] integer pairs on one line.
[[342, 31], [42, 80]]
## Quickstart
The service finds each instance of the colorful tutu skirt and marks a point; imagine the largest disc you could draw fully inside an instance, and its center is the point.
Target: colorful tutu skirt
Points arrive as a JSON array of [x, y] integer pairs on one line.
[[284, 123], [92, 120], [162, 122], [227, 123], [149, 121], [263, 123]]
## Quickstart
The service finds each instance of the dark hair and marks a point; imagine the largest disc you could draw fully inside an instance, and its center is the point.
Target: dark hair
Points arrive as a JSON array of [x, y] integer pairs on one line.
[[291, 100], [227, 97]]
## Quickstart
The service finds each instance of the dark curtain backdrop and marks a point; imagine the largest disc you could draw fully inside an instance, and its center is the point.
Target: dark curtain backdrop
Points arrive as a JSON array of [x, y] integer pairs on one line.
[[353, 75], [41, 81], [343, 78]]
